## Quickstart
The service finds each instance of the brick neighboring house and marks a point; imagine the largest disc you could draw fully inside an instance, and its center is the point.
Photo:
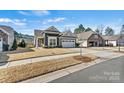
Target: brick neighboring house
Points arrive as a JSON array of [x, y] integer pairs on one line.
[[6, 38], [90, 39], [52, 37]]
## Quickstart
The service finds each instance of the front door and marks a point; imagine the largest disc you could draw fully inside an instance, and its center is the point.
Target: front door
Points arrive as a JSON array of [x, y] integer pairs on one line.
[[95, 44], [1, 45]]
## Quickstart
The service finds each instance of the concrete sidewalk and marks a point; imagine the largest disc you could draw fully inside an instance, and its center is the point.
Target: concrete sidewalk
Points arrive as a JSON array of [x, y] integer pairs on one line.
[[60, 73], [38, 59]]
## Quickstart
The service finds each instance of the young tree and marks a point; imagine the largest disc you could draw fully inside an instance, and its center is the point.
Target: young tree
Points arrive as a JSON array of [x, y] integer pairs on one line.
[[109, 31], [14, 46], [79, 29], [121, 36]]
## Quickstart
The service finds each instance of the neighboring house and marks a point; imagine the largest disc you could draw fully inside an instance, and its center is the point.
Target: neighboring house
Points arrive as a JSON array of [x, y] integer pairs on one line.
[[52, 37], [6, 37], [114, 40], [90, 39]]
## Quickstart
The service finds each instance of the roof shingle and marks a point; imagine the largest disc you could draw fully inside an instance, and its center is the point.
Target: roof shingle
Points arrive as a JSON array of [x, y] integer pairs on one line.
[[85, 35]]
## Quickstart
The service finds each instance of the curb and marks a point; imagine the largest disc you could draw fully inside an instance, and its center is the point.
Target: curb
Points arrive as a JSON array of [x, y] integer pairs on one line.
[[60, 73]]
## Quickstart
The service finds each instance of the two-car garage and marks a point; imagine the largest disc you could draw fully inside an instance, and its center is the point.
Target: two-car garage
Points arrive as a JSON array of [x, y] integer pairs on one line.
[[68, 43]]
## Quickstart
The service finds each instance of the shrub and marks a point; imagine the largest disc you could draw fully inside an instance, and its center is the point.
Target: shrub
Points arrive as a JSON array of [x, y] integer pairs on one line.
[[14, 46], [22, 43], [77, 44]]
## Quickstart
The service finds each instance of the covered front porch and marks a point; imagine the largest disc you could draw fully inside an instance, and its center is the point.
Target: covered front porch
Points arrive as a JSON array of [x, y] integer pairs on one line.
[[40, 42], [95, 43]]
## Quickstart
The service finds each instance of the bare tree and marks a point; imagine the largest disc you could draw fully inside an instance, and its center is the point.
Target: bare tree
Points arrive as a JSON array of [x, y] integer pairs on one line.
[[101, 28], [121, 35]]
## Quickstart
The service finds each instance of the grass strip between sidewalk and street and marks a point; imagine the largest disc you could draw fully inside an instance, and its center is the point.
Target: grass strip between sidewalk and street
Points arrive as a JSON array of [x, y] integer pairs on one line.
[[30, 70]]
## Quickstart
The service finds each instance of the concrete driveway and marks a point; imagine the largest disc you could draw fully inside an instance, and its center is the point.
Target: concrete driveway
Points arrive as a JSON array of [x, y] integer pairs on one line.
[[111, 71]]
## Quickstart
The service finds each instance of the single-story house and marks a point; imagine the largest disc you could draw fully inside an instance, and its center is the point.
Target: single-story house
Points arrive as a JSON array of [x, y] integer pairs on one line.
[[6, 38], [52, 37], [90, 39], [114, 40]]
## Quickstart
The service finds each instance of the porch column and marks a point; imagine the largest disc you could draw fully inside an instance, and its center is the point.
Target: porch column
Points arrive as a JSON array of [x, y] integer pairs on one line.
[[36, 42]]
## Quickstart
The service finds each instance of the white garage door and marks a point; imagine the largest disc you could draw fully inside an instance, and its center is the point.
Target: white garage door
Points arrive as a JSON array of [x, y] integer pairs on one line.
[[68, 43], [1, 45]]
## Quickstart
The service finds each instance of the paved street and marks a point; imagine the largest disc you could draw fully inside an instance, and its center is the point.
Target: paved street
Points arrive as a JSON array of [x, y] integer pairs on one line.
[[106, 72]]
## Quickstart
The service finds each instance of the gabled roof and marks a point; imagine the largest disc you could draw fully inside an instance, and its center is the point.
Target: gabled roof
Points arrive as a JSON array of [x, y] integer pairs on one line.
[[7, 29], [85, 35], [106, 37], [68, 34], [38, 33], [114, 37], [52, 28]]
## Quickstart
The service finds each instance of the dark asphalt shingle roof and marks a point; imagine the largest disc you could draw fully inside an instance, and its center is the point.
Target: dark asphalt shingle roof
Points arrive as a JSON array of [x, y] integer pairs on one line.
[[51, 30], [8, 29]]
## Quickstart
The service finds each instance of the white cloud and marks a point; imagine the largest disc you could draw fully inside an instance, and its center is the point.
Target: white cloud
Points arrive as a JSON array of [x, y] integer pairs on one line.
[[40, 12], [35, 12], [17, 22], [54, 20], [5, 20], [23, 13]]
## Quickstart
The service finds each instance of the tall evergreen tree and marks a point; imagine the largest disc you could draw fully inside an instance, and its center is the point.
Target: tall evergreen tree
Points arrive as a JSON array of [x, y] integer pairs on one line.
[[88, 29], [109, 31], [79, 29], [97, 31]]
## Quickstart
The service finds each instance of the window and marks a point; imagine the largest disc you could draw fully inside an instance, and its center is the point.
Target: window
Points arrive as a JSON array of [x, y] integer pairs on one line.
[[52, 42]]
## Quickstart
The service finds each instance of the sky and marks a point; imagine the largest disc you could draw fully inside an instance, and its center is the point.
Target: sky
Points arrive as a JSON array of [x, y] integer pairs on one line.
[[25, 21]]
